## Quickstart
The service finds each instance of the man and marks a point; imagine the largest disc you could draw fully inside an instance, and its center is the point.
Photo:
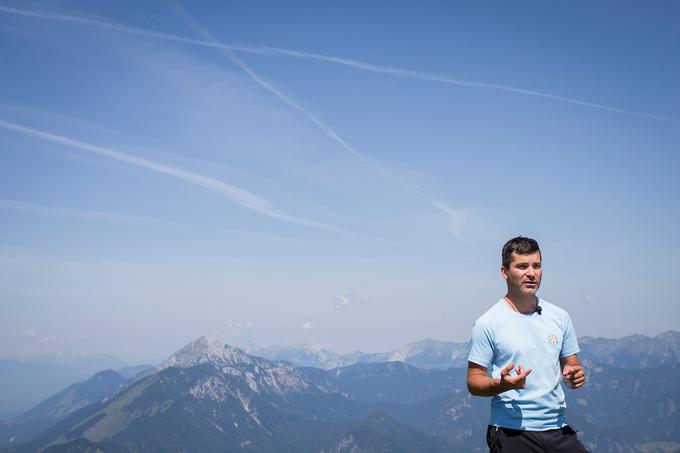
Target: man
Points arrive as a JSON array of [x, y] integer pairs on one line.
[[520, 349]]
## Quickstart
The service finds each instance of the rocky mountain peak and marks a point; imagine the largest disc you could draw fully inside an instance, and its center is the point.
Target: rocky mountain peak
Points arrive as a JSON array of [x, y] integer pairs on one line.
[[206, 350]]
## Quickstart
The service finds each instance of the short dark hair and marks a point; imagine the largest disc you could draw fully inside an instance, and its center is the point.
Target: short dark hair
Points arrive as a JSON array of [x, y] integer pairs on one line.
[[521, 246]]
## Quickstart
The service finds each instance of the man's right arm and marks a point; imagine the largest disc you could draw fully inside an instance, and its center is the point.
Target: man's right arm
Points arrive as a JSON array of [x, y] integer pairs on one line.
[[479, 382]]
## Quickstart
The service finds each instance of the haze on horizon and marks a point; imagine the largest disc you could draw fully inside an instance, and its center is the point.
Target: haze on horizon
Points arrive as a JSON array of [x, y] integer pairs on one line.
[[340, 174]]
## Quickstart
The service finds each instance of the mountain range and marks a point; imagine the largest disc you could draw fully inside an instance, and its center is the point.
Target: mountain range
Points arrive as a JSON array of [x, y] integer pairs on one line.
[[631, 352], [214, 397]]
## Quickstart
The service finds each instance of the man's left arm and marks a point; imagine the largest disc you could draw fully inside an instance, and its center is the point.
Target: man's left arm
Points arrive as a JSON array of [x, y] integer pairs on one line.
[[572, 372]]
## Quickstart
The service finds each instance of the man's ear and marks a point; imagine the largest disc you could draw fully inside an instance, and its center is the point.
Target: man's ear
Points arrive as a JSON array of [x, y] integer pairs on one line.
[[504, 272]]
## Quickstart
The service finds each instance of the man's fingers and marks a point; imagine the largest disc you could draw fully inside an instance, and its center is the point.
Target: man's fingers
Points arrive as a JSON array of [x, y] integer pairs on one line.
[[576, 384], [516, 381], [579, 380], [572, 370], [574, 376], [508, 368]]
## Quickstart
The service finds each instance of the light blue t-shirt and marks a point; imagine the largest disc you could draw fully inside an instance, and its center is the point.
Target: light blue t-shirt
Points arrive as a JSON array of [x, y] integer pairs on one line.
[[536, 341]]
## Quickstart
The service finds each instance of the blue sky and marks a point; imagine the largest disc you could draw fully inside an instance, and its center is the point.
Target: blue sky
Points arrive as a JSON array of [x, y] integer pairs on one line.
[[344, 174]]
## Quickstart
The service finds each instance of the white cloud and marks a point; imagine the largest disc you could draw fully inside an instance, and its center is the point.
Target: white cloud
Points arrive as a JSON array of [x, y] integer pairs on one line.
[[308, 325], [345, 301], [239, 325]]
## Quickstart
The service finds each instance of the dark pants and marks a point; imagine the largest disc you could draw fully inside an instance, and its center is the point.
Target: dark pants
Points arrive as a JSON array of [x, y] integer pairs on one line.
[[508, 440]]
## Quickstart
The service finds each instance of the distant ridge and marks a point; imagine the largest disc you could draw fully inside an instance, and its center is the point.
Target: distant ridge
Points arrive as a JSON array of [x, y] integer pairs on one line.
[[59, 406], [634, 351], [27, 379], [425, 354]]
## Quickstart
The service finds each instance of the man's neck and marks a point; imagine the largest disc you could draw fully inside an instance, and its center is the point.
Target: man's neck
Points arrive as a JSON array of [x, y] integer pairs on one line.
[[523, 303]]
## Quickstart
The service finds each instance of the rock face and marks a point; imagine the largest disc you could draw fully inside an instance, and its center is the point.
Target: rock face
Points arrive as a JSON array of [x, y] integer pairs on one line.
[[206, 350], [214, 397]]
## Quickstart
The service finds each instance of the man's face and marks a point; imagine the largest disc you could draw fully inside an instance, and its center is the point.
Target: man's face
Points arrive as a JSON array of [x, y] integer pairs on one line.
[[524, 273]]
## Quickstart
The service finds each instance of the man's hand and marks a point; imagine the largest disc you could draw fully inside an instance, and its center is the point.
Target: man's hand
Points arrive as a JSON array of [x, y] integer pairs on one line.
[[573, 376], [509, 382], [481, 384]]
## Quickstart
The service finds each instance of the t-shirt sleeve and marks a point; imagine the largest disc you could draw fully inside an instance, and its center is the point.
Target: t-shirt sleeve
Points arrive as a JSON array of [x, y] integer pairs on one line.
[[569, 342], [481, 346]]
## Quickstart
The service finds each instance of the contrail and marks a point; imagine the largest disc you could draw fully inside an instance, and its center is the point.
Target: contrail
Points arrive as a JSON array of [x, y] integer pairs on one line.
[[102, 24], [100, 216], [275, 51], [227, 51], [456, 219], [432, 77], [34, 208], [239, 196]]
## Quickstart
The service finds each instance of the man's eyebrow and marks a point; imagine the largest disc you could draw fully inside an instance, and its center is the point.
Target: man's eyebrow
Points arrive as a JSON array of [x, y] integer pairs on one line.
[[527, 263]]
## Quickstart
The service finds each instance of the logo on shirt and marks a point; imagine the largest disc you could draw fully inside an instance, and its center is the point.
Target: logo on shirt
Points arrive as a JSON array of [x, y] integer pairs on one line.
[[552, 339]]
